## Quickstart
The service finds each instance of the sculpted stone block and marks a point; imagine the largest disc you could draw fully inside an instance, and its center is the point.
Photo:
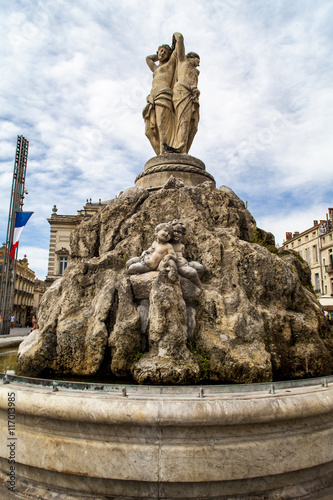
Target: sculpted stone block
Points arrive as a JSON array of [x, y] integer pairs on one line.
[[168, 359], [142, 283], [165, 256]]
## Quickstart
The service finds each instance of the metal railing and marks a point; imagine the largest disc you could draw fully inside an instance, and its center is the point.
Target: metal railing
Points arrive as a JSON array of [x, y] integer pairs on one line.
[[126, 390]]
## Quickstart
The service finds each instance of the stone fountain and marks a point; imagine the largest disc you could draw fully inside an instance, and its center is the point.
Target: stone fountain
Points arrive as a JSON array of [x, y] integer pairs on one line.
[[173, 286]]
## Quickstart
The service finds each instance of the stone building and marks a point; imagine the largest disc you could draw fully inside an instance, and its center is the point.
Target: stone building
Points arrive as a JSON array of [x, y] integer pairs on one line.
[[61, 228], [39, 290], [315, 245], [24, 290]]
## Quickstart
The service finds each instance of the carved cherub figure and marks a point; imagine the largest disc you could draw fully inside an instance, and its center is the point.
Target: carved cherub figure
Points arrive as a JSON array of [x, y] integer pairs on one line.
[[161, 250], [191, 270]]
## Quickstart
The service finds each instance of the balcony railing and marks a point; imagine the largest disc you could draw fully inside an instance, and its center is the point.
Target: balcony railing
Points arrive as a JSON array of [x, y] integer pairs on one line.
[[329, 269]]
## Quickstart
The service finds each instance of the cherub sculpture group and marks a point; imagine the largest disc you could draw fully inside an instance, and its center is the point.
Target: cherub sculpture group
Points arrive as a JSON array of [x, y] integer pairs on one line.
[[167, 246], [172, 113]]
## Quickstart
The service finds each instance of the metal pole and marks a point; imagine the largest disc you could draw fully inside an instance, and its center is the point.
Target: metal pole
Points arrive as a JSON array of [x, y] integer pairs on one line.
[[16, 205]]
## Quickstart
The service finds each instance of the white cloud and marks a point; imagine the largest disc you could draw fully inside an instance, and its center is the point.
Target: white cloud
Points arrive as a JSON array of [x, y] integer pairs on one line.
[[75, 83], [37, 257]]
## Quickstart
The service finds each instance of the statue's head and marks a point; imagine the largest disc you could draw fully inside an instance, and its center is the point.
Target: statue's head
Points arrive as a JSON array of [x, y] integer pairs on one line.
[[163, 230], [194, 58], [178, 228], [164, 52]]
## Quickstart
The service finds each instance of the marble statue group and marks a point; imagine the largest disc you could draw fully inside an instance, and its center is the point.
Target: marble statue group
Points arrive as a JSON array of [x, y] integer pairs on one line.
[[172, 111], [167, 247]]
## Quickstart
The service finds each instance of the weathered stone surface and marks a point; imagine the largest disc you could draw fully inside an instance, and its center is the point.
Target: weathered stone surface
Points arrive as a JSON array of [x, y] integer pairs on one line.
[[73, 321], [295, 261], [142, 284], [125, 337], [27, 349], [255, 319], [173, 183]]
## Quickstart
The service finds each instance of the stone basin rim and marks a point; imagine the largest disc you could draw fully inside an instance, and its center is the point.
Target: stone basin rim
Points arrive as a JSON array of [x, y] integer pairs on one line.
[[199, 390]]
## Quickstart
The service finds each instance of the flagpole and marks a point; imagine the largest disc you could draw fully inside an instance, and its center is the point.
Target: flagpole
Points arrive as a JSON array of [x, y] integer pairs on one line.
[[16, 205]]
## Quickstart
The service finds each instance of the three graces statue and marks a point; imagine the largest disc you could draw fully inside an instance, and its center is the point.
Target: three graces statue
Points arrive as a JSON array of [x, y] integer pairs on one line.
[[172, 112]]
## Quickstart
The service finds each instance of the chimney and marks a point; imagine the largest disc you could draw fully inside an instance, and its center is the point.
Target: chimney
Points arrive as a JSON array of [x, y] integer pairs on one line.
[[330, 213], [289, 236], [296, 233], [315, 223]]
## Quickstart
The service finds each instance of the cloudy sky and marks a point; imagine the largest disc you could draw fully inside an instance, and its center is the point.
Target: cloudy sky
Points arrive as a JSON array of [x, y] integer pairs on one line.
[[74, 83]]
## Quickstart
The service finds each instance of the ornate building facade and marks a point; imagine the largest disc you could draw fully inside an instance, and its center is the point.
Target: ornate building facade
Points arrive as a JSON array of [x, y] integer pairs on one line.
[[315, 245], [61, 228], [24, 290]]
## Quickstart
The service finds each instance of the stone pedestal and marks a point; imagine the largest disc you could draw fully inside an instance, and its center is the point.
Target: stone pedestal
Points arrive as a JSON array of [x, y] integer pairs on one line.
[[182, 166]]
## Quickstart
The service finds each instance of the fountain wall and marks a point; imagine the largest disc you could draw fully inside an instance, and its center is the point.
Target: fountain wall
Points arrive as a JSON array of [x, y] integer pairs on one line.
[[171, 442]]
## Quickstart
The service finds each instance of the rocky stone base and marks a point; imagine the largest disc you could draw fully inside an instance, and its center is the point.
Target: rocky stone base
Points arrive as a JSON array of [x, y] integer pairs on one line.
[[254, 319]]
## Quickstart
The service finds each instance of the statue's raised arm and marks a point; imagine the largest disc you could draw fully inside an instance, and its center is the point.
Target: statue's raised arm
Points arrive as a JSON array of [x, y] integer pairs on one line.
[[185, 96], [151, 60], [178, 44]]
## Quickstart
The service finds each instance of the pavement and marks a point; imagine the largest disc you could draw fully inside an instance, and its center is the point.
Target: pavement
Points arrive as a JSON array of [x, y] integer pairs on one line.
[[14, 338]]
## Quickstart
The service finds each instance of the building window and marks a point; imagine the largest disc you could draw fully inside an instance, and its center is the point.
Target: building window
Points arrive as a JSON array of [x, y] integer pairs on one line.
[[62, 264], [293, 244], [300, 253], [308, 255], [300, 241], [307, 237], [315, 253], [317, 284]]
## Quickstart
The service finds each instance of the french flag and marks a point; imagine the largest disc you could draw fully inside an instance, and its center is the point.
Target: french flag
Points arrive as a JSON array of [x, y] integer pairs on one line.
[[20, 221]]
